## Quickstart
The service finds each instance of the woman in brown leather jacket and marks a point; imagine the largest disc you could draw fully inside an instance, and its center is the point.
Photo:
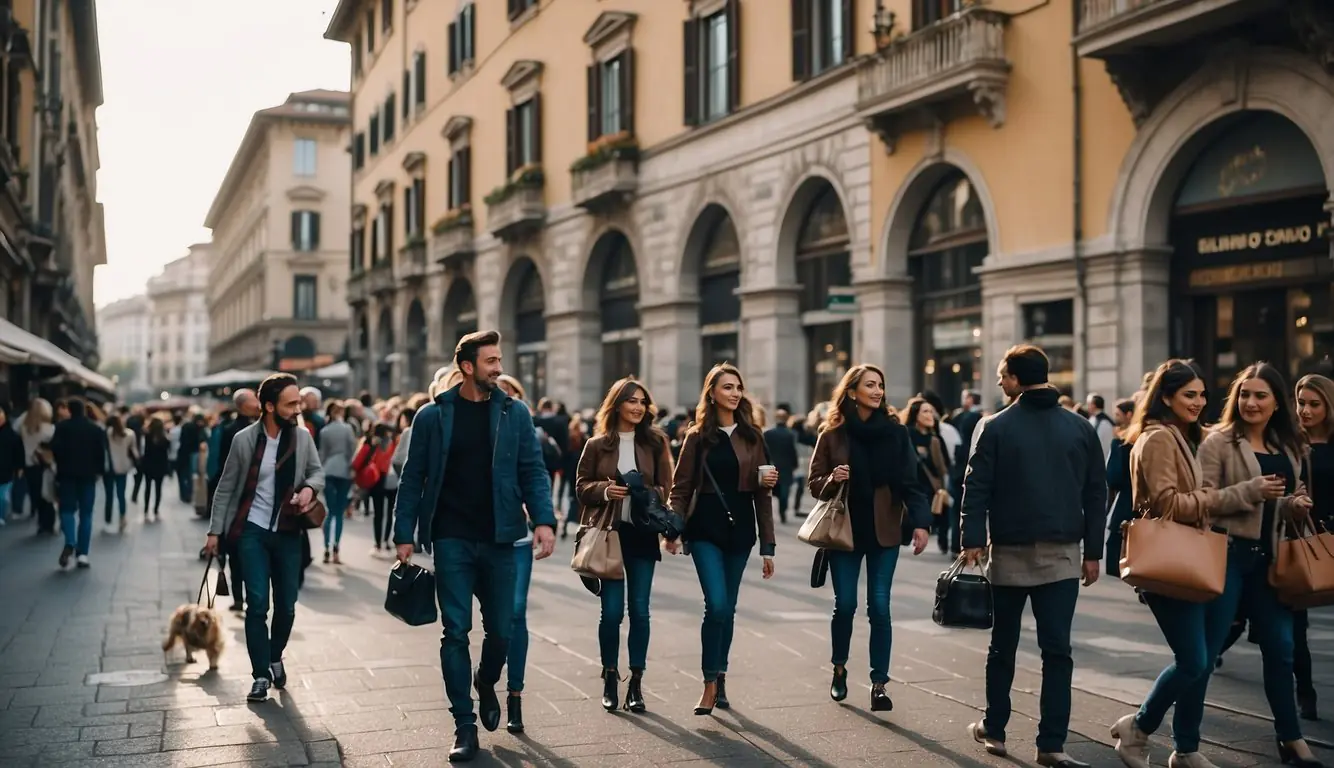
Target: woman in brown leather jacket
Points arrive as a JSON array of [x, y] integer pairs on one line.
[[626, 441], [867, 454], [1167, 481], [727, 507]]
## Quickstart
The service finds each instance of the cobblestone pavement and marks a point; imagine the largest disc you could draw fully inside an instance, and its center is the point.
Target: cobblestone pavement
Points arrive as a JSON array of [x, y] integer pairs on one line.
[[365, 690]]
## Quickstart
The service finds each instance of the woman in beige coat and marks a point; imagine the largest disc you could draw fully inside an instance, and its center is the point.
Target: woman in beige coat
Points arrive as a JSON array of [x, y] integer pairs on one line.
[[1258, 438], [1167, 481]]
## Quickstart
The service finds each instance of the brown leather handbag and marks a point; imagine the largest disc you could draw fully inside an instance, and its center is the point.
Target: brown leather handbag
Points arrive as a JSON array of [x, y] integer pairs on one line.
[[828, 526], [597, 553], [1303, 569], [1164, 557]]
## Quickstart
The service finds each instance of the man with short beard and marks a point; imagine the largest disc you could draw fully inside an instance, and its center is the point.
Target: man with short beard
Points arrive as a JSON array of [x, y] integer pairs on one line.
[[471, 450], [270, 462]]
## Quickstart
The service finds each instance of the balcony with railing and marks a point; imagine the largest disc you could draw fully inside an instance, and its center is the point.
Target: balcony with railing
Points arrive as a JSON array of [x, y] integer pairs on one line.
[[412, 262], [957, 62], [452, 236], [358, 292], [518, 208], [380, 278], [1109, 28]]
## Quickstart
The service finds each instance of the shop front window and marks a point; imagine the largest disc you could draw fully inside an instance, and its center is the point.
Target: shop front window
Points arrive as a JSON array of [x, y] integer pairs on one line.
[[619, 305], [530, 326], [824, 271], [948, 243], [1051, 326], [719, 305]]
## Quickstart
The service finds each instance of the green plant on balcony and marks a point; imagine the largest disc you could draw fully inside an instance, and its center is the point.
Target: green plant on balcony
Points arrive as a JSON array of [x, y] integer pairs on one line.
[[615, 146], [455, 218], [525, 177]]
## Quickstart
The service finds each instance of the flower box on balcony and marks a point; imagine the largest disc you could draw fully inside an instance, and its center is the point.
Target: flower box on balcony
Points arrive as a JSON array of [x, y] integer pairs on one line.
[[608, 175], [381, 278], [517, 208], [452, 235], [412, 259]]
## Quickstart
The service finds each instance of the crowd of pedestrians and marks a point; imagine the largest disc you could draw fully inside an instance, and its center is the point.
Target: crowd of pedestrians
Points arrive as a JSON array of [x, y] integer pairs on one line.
[[476, 478]]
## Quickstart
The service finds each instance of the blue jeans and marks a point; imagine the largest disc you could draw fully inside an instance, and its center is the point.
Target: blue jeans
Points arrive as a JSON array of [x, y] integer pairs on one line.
[[720, 579], [77, 495], [518, 652], [845, 569], [5, 490], [185, 478], [336, 493], [113, 485], [638, 584], [1195, 632], [1054, 612], [1272, 627], [464, 569], [269, 557]]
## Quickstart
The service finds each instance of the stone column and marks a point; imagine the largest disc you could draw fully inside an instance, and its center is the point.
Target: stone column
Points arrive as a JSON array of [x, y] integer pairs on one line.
[[1142, 315], [885, 334], [574, 358], [671, 352], [773, 347]]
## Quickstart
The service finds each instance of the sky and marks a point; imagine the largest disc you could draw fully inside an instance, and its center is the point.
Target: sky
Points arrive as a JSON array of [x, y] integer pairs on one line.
[[181, 80]]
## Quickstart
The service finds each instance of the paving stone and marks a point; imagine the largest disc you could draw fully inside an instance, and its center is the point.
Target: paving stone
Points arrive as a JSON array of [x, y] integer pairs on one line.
[[22, 736], [140, 746], [104, 732]]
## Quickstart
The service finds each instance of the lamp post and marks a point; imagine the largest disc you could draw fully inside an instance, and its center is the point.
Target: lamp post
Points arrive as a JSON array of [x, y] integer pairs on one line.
[[882, 25]]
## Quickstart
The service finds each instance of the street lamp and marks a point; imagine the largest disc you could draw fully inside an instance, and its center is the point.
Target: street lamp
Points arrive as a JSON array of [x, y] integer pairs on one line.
[[882, 25]]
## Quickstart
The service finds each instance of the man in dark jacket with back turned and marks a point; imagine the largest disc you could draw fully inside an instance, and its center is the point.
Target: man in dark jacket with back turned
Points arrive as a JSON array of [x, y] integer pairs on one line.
[[1036, 481], [79, 448]]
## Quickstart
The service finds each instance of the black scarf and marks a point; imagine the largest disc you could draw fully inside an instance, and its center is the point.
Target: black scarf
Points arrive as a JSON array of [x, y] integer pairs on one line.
[[872, 449]]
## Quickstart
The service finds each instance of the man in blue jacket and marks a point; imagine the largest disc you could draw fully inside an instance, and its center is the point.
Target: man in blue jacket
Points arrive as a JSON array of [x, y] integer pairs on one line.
[[473, 465]]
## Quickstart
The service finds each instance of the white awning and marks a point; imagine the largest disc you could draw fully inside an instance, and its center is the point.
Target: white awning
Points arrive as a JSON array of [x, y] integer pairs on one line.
[[15, 341], [227, 378], [339, 370]]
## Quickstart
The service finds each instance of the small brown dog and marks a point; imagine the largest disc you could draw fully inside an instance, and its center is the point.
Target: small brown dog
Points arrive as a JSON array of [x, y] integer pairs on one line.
[[199, 629]]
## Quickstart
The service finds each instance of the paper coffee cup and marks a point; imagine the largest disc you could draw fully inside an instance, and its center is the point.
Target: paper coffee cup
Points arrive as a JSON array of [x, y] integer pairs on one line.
[[765, 469]]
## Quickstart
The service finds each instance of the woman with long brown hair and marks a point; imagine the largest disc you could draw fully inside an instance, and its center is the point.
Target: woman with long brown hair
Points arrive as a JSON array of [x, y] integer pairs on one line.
[[922, 422], [1168, 481], [1258, 440], [867, 453], [626, 441], [727, 506], [1315, 412]]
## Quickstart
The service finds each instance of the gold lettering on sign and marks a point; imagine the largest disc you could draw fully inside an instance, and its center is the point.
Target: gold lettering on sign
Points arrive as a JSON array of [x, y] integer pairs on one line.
[[1242, 171], [1249, 241], [1241, 273]]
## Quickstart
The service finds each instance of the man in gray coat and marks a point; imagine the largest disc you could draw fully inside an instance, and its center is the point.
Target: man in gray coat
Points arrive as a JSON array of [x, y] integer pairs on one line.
[[271, 462]]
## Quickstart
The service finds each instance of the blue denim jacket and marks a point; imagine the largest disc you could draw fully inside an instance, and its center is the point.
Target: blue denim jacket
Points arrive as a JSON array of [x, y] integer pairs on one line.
[[518, 474]]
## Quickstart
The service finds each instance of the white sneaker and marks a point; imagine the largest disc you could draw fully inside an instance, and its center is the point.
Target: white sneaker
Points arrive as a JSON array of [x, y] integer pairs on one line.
[[82, 561]]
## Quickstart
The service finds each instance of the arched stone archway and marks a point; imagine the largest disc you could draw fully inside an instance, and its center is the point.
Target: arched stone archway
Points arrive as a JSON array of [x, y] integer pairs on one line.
[[524, 326], [459, 316], [921, 266], [415, 331], [610, 342], [384, 367], [1150, 304], [711, 273]]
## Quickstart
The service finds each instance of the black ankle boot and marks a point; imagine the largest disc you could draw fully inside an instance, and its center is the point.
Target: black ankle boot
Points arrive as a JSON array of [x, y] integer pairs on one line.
[[634, 694], [838, 688], [611, 696], [722, 702], [1306, 705], [880, 701], [514, 713], [465, 745]]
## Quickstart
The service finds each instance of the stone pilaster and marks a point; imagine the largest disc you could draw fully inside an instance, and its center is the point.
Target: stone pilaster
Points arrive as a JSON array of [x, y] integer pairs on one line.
[[574, 358], [671, 352], [885, 333], [773, 347]]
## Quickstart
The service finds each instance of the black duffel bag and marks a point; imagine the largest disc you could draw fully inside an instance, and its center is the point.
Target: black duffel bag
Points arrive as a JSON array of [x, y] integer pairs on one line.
[[411, 595], [963, 600]]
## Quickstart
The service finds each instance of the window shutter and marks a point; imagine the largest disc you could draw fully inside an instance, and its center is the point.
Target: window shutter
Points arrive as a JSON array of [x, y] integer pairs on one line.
[[465, 160], [296, 230], [470, 30], [375, 241], [733, 11], [628, 91], [407, 94], [314, 231], [451, 200], [420, 75], [453, 47], [537, 128], [849, 29], [690, 44], [419, 187], [594, 101], [801, 39], [408, 218], [389, 231], [511, 138], [513, 8]]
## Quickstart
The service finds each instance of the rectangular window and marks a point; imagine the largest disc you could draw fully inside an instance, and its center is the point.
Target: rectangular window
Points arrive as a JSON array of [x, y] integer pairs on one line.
[[303, 156], [305, 305], [387, 119], [356, 250], [419, 79], [370, 30], [386, 16], [928, 12], [359, 151], [715, 67], [611, 97], [374, 132], [305, 231], [460, 191], [527, 127], [462, 32], [821, 36], [517, 7], [180, 371]]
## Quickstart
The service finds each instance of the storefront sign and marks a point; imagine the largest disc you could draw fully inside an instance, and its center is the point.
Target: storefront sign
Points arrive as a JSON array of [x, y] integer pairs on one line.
[[842, 300], [1258, 239], [1241, 273]]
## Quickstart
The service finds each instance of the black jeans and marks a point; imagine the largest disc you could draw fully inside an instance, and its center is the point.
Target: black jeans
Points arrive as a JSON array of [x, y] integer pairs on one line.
[[384, 515], [153, 484], [1054, 610]]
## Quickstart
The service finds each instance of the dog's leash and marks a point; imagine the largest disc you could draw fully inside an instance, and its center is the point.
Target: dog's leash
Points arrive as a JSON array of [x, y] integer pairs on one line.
[[203, 586]]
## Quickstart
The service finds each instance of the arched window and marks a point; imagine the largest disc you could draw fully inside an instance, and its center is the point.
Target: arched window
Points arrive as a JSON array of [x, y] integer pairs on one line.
[[949, 242], [719, 304], [530, 330], [618, 302], [824, 270], [460, 316]]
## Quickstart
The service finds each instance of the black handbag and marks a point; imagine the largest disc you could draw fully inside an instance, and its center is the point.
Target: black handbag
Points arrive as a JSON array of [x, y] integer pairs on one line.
[[647, 512], [819, 568], [411, 595], [963, 600]]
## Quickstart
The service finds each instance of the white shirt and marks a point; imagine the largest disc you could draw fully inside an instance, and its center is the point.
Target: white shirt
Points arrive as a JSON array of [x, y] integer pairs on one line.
[[1105, 432], [728, 430], [262, 507], [949, 435], [625, 462]]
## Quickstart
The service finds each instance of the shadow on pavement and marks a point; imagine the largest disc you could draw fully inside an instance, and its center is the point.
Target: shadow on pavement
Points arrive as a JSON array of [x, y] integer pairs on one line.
[[924, 743]]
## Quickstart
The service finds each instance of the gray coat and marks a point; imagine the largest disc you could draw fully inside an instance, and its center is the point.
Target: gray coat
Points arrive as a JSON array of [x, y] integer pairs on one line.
[[227, 498], [338, 444]]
